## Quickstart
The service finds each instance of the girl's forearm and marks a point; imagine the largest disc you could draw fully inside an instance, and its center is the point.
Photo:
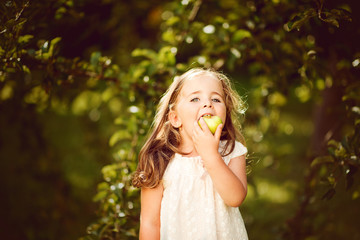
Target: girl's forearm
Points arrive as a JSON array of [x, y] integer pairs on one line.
[[226, 183], [150, 213], [149, 232]]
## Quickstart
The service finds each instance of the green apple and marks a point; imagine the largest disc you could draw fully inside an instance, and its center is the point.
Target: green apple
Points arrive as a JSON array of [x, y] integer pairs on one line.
[[212, 122]]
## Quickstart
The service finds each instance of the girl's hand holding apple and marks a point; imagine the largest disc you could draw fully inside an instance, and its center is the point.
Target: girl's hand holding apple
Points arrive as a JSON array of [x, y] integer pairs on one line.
[[207, 144]]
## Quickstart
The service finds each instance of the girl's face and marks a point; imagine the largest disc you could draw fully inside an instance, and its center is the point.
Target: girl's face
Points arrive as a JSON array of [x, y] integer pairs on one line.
[[199, 96]]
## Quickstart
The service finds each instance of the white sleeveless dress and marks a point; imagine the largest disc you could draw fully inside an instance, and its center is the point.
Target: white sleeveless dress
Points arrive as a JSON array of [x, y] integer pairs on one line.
[[191, 209]]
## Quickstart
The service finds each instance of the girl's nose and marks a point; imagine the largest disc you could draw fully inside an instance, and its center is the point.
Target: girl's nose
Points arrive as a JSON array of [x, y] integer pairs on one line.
[[207, 104]]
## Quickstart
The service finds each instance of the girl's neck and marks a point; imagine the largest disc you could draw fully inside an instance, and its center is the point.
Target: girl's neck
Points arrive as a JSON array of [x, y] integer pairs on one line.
[[188, 150]]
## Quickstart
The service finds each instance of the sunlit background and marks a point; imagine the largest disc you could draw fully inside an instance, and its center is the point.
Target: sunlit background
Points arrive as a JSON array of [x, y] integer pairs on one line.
[[79, 85]]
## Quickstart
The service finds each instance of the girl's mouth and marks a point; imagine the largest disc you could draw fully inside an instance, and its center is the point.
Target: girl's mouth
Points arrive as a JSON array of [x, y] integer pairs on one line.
[[207, 115]]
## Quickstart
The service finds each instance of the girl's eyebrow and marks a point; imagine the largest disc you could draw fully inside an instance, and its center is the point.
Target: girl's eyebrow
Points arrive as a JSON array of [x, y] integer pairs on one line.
[[196, 92], [199, 91]]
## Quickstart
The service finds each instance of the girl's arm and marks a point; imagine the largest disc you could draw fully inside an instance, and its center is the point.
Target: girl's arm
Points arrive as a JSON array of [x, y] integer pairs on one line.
[[150, 213], [229, 180]]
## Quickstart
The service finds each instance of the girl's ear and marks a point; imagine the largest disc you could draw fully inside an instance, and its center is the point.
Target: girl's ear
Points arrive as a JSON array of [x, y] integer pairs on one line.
[[174, 119]]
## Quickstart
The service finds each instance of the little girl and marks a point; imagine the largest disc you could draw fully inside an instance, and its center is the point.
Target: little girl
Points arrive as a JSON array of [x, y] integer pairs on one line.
[[192, 182]]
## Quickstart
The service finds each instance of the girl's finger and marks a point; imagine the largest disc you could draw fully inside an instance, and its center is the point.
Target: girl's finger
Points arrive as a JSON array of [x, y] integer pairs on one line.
[[204, 126], [197, 127], [218, 131]]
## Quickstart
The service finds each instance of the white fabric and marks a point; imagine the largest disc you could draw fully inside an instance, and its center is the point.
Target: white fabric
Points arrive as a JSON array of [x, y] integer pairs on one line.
[[191, 209]]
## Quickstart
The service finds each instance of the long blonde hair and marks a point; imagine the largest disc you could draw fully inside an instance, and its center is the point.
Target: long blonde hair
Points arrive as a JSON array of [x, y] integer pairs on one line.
[[164, 139]]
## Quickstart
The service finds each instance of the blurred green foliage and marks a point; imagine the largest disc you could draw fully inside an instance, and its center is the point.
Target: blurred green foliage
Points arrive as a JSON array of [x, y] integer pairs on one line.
[[80, 82]]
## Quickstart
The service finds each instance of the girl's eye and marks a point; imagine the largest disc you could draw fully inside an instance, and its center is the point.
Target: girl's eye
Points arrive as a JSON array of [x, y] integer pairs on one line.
[[195, 100], [216, 100]]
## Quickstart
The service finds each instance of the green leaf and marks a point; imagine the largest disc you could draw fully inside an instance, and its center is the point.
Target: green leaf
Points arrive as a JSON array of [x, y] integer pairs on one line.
[[86, 101], [118, 136], [25, 38], [103, 186], [277, 99], [357, 122], [341, 14], [340, 152], [109, 172], [169, 36], [331, 19], [26, 69], [321, 160], [53, 44], [167, 56], [333, 143], [94, 59], [240, 35], [171, 21], [144, 53], [137, 72], [100, 196], [301, 19]]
